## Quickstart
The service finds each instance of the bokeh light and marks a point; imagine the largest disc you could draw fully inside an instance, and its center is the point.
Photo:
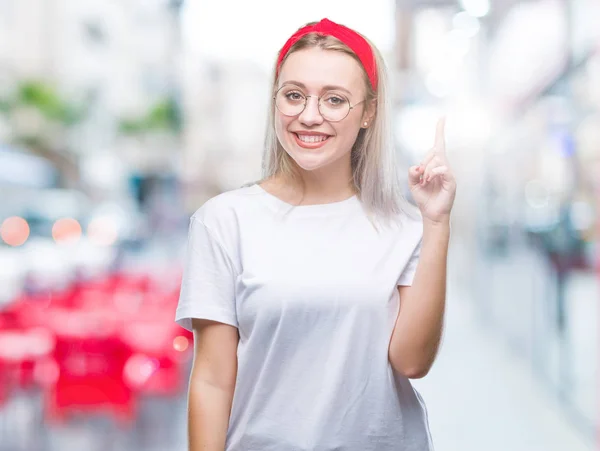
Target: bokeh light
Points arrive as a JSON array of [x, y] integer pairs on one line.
[[102, 231], [138, 369], [180, 343], [66, 230], [14, 231]]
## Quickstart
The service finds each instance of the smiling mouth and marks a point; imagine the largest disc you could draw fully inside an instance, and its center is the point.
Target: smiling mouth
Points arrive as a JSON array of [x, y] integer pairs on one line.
[[312, 139]]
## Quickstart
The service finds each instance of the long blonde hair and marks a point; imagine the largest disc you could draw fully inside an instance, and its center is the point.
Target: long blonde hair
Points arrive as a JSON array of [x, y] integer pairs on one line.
[[373, 157]]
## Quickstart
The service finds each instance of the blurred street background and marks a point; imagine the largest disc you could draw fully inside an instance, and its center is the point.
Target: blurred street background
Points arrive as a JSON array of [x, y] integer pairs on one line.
[[118, 119]]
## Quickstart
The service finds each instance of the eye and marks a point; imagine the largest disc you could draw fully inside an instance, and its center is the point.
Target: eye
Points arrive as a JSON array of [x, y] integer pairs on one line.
[[335, 100], [294, 96]]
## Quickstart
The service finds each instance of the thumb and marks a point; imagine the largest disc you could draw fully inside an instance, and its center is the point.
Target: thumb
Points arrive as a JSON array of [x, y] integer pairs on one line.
[[414, 175]]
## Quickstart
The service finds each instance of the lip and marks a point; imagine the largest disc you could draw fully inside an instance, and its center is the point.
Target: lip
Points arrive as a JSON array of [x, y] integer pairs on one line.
[[314, 145], [307, 132]]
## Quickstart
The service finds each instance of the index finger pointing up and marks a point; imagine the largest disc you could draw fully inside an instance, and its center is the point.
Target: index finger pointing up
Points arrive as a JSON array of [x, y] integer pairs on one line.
[[440, 145]]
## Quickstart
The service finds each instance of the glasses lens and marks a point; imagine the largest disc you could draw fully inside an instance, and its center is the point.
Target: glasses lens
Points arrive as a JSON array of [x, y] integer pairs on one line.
[[290, 101], [334, 107]]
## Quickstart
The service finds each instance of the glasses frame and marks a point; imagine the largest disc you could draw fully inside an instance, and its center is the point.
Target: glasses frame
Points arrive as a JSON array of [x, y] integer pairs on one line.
[[318, 106]]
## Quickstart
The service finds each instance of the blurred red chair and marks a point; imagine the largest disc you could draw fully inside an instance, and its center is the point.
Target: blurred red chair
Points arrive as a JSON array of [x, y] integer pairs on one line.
[[20, 352], [110, 338], [90, 358], [156, 366]]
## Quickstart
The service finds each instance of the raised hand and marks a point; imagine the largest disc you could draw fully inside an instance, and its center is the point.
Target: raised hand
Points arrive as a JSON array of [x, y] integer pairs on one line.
[[432, 183]]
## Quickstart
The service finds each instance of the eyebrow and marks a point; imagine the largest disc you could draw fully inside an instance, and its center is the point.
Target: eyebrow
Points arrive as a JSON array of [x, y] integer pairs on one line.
[[326, 88]]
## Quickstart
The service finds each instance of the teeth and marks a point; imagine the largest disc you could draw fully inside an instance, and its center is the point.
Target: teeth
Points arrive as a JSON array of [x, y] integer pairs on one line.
[[312, 138]]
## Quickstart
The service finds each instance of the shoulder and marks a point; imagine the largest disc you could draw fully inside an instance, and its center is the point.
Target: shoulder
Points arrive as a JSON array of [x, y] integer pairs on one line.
[[224, 208], [220, 218]]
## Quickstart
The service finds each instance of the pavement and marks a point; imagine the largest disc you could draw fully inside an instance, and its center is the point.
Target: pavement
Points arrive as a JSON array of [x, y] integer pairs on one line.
[[482, 396]]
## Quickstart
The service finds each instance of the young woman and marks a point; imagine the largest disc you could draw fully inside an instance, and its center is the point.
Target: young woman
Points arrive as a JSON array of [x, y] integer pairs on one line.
[[317, 293]]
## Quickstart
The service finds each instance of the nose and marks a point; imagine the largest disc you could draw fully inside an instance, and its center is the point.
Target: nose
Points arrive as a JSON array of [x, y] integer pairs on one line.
[[311, 114]]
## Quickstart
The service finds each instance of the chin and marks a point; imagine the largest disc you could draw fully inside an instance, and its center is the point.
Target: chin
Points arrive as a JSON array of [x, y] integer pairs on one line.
[[311, 162], [308, 159]]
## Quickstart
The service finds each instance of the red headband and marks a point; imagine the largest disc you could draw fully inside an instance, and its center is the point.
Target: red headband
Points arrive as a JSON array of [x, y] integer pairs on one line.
[[351, 38]]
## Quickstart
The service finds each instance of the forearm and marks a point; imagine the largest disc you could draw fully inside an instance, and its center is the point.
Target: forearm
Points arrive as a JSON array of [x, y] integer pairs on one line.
[[418, 328], [209, 407]]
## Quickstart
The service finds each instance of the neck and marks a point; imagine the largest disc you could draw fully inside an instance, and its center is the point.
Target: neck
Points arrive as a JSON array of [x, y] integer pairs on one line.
[[315, 187]]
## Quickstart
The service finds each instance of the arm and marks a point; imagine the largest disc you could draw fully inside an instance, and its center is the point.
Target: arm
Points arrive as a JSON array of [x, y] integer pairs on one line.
[[418, 330], [212, 384]]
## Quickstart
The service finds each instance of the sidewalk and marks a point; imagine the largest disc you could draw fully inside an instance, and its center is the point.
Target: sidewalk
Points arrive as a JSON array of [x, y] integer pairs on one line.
[[482, 398]]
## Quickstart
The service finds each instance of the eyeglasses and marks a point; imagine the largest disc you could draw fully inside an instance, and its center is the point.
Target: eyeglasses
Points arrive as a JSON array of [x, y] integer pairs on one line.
[[291, 101]]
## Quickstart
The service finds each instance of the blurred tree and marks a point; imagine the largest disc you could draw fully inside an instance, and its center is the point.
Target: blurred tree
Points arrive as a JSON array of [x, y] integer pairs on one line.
[[157, 131], [40, 119], [163, 116], [46, 99]]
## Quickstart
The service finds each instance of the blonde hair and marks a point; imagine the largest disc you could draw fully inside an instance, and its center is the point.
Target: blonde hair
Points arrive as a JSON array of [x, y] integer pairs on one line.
[[373, 157]]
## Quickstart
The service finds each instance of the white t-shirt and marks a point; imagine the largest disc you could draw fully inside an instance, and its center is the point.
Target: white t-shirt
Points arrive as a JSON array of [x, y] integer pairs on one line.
[[314, 296]]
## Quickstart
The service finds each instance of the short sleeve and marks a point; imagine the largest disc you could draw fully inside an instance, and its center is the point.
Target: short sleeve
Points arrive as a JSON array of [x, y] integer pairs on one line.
[[208, 283], [408, 274]]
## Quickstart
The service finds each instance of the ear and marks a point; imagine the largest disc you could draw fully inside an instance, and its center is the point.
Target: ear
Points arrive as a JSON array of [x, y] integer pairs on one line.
[[369, 113]]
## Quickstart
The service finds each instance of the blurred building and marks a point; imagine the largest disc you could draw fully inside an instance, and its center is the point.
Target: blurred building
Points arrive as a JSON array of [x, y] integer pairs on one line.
[[117, 60], [225, 106], [519, 83]]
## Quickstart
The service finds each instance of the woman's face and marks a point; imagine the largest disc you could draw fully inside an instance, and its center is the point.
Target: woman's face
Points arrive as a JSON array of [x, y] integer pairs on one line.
[[310, 139]]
